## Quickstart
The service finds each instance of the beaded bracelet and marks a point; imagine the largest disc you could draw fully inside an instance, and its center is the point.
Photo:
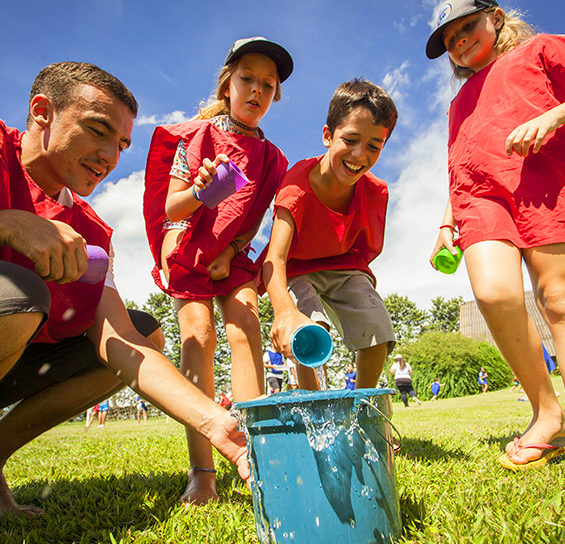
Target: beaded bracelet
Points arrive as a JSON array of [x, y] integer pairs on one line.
[[449, 226], [194, 193]]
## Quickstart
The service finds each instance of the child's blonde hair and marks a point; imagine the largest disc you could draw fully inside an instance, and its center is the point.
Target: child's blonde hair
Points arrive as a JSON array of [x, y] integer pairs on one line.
[[514, 31], [218, 103]]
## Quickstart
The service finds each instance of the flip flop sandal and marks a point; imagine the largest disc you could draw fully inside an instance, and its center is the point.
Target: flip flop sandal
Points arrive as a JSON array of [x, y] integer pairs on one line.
[[550, 451]]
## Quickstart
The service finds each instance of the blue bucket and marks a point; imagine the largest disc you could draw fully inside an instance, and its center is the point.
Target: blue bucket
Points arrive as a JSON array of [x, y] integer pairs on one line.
[[322, 466]]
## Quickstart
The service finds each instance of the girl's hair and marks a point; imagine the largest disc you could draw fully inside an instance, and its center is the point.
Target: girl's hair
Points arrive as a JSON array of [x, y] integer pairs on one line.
[[218, 103], [514, 31]]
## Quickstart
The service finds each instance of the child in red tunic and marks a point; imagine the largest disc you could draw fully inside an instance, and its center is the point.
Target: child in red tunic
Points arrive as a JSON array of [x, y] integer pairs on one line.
[[507, 194], [328, 226], [202, 252]]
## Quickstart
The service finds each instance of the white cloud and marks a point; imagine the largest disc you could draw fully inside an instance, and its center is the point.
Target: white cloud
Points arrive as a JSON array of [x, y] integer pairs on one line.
[[176, 116], [396, 81], [120, 204], [417, 203]]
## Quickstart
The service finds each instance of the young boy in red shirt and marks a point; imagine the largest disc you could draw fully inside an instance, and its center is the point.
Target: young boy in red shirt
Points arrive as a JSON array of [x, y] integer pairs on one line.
[[328, 226]]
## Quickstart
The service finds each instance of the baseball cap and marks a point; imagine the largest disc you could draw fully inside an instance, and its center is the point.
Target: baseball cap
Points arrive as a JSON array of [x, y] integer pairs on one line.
[[258, 44], [448, 12]]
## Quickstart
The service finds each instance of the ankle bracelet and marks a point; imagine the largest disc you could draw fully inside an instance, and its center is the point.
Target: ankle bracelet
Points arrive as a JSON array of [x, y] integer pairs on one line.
[[201, 469]]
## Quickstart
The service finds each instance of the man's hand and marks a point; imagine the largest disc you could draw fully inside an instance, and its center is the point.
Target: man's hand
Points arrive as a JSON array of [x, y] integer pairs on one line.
[[56, 249]]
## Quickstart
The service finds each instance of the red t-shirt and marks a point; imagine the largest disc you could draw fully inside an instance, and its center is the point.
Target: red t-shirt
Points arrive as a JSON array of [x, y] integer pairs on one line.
[[328, 240], [209, 232], [493, 196], [73, 305]]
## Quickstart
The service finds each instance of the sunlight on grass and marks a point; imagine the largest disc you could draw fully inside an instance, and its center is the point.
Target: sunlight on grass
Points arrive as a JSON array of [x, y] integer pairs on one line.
[[120, 484]]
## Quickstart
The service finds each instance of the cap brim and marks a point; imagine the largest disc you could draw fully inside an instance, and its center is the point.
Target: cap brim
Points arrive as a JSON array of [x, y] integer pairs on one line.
[[435, 47], [278, 54]]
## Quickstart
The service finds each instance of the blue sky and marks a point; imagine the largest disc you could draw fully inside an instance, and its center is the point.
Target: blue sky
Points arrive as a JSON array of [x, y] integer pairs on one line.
[[169, 53]]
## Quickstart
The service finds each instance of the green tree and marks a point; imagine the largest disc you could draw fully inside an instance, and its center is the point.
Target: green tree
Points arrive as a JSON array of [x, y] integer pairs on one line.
[[455, 360], [444, 314], [266, 318], [408, 320], [131, 304]]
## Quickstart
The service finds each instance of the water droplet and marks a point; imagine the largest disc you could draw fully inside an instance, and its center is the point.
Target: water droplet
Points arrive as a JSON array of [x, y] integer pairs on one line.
[[352, 523], [44, 369], [68, 314], [317, 521], [299, 480]]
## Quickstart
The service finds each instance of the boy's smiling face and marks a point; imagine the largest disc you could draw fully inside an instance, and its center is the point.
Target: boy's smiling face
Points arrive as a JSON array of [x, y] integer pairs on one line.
[[355, 145]]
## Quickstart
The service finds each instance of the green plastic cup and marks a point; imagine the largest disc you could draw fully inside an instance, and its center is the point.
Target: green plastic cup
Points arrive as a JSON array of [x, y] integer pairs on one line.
[[446, 262]]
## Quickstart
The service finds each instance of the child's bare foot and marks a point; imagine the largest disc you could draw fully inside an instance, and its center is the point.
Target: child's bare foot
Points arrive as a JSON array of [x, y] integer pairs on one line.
[[201, 488], [230, 442], [8, 504]]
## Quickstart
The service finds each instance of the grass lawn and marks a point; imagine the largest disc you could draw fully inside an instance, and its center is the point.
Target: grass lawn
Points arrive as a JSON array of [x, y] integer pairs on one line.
[[120, 484]]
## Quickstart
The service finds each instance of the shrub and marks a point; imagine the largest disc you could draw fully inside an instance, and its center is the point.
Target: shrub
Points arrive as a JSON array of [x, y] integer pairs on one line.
[[455, 360]]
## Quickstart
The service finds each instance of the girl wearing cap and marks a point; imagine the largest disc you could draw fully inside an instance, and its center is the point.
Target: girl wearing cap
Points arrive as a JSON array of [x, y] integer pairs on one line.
[[202, 253], [507, 194]]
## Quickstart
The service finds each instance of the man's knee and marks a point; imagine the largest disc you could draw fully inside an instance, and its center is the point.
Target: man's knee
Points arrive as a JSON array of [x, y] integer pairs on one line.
[[22, 291]]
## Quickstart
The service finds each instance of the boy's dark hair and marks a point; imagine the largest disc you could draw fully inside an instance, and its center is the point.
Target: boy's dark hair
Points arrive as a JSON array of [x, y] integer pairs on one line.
[[59, 80], [361, 93]]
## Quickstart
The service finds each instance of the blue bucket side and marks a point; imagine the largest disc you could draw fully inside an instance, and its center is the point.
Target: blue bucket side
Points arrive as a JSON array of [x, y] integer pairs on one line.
[[341, 489]]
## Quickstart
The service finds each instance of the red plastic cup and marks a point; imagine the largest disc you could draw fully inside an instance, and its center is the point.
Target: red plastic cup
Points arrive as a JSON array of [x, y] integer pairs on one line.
[[228, 180], [98, 262]]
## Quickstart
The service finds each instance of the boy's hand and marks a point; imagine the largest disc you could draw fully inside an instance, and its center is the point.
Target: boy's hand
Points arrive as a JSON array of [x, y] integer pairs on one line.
[[207, 170], [444, 239], [534, 132], [284, 326]]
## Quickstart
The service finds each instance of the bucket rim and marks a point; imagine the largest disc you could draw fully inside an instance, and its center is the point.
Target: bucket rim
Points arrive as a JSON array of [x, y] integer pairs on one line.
[[302, 395]]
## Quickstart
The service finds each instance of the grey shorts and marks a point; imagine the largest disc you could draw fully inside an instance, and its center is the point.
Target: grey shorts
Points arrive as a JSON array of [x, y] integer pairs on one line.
[[351, 302]]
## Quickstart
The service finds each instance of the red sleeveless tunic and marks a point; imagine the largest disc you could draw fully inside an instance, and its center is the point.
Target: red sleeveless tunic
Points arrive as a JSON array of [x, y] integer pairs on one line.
[[73, 305]]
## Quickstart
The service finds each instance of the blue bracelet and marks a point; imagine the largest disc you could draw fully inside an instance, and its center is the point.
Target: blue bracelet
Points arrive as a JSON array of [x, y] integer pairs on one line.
[[194, 194], [201, 469]]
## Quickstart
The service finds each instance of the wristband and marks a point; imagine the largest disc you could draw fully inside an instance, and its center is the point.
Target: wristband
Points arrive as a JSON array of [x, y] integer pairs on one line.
[[233, 245], [194, 194], [449, 226]]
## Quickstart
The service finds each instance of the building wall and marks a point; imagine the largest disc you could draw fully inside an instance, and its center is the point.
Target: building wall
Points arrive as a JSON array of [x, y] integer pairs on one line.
[[473, 325]]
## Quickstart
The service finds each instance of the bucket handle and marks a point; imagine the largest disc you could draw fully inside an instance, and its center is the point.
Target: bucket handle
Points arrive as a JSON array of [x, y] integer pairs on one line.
[[387, 419]]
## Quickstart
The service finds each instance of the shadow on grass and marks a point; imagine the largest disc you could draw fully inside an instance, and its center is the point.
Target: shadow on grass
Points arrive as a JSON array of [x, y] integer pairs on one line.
[[88, 511], [420, 449], [499, 441], [413, 513]]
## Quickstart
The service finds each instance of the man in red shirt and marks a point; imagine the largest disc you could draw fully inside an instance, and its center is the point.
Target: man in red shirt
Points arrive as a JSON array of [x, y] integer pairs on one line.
[[54, 331]]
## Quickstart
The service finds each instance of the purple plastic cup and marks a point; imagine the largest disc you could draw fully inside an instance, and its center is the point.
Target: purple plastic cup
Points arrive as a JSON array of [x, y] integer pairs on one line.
[[228, 180], [98, 262]]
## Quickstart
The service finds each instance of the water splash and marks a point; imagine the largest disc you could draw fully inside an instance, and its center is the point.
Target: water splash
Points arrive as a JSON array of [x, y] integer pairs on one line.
[[321, 375]]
